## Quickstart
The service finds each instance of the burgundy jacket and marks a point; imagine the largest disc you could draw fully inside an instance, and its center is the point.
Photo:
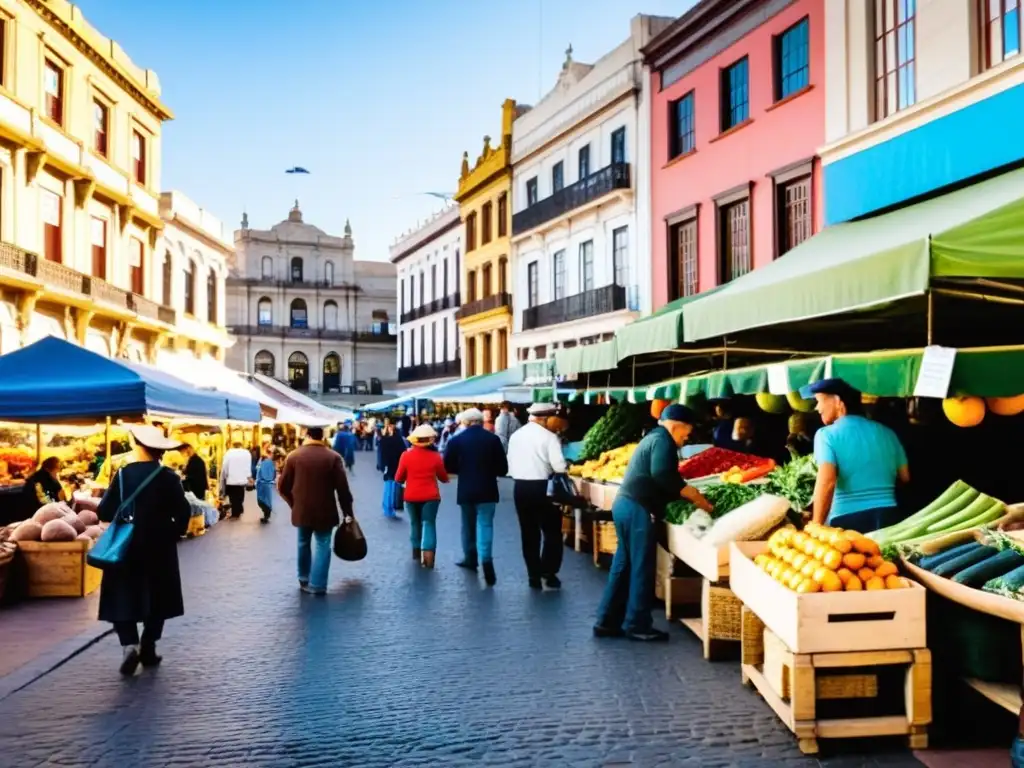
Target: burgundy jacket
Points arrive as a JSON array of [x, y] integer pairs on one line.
[[314, 484]]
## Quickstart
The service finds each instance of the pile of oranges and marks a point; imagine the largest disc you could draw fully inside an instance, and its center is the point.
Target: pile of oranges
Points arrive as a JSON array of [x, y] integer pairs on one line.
[[823, 559]]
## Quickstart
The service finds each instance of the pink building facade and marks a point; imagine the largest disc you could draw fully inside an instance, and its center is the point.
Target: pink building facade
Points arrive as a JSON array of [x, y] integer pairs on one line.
[[737, 117]]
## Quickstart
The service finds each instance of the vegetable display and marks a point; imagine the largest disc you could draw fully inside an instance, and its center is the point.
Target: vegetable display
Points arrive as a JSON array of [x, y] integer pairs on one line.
[[994, 563], [610, 466], [794, 482], [725, 498], [824, 559], [715, 461], [750, 522], [620, 425]]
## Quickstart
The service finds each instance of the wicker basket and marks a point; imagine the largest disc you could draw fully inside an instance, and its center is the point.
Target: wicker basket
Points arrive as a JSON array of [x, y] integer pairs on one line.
[[721, 611], [7, 551]]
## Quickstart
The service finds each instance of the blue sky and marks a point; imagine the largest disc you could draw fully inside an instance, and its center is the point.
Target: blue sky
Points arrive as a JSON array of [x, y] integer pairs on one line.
[[377, 100]]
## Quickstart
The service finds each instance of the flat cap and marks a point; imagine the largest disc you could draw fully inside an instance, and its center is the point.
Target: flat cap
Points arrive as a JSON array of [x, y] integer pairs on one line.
[[678, 412]]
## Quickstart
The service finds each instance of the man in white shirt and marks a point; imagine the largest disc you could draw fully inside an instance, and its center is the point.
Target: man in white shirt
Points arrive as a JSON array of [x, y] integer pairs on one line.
[[505, 425], [236, 476], [534, 454]]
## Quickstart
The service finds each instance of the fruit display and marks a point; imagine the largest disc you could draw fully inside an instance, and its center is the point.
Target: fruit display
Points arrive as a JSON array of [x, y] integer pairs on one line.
[[610, 466], [715, 461], [622, 424], [56, 522], [824, 559]]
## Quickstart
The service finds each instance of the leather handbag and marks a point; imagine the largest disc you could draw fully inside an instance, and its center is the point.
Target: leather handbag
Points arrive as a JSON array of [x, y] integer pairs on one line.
[[562, 491], [349, 542], [111, 549]]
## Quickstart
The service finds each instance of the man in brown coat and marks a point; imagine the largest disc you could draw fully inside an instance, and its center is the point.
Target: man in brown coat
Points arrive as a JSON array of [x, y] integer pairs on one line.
[[314, 484]]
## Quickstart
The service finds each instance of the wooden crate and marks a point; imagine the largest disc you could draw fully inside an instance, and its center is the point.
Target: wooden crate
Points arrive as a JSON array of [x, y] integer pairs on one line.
[[676, 592], [606, 540], [58, 568], [803, 684], [710, 562], [719, 621], [601, 495], [826, 622]]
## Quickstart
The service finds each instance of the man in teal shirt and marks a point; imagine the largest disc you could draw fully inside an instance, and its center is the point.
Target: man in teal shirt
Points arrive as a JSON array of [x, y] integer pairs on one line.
[[859, 462], [652, 480]]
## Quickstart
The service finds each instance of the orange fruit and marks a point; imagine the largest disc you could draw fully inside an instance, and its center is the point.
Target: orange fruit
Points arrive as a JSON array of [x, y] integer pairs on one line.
[[854, 561], [893, 582], [865, 574], [866, 546], [807, 586], [831, 582], [844, 574], [874, 561], [886, 569], [854, 584], [874, 583], [833, 559]]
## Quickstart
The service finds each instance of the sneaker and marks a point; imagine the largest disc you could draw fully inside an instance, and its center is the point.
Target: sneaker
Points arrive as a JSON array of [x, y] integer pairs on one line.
[[648, 635], [602, 631], [553, 582], [535, 583], [264, 520], [313, 590], [303, 585], [489, 576], [130, 662]]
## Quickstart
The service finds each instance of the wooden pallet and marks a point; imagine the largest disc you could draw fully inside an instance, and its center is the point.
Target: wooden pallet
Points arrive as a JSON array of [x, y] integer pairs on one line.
[[792, 684]]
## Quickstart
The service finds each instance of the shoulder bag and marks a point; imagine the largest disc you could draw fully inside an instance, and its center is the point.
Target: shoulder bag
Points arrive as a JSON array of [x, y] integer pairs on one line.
[[349, 542], [111, 549], [562, 491]]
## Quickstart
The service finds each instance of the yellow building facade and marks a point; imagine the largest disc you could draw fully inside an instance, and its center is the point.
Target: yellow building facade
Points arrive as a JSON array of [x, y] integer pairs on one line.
[[81, 232], [485, 207]]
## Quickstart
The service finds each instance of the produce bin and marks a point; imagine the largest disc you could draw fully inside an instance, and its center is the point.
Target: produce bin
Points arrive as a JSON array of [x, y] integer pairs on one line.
[[710, 562], [58, 569]]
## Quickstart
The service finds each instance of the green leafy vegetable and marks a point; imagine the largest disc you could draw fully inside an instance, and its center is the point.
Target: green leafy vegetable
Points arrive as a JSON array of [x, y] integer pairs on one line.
[[725, 498], [794, 482]]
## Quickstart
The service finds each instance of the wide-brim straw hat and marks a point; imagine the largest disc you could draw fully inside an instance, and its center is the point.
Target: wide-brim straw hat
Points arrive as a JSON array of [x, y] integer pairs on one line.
[[424, 433], [151, 437]]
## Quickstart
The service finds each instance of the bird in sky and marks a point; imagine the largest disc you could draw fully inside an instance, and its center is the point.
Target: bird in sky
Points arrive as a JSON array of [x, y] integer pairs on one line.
[[297, 169]]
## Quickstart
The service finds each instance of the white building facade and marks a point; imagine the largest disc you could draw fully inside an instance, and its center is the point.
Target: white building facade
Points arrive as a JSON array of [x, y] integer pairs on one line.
[[428, 263], [581, 223], [304, 311]]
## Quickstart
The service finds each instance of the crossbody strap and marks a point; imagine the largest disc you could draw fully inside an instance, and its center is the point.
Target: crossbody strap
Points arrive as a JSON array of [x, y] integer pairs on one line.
[[126, 502]]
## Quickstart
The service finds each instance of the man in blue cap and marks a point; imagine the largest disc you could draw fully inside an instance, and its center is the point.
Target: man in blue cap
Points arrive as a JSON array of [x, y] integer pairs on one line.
[[652, 480], [859, 462]]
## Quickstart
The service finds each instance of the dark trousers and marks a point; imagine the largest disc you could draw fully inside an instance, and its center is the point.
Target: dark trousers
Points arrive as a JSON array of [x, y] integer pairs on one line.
[[128, 632], [629, 593], [868, 519], [538, 519], [236, 498]]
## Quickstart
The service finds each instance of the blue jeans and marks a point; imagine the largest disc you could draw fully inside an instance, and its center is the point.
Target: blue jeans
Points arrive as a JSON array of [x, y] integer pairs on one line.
[[630, 591], [867, 520], [388, 501], [314, 566], [422, 524], [477, 531]]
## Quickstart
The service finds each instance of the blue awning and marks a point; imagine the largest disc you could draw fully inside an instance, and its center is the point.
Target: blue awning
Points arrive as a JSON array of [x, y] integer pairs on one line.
[[54, 381]]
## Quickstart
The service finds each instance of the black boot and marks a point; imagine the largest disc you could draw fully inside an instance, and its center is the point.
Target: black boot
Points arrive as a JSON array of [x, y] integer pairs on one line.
[[416, 554], [535, 583], [130, 660], [489, 575], [469, 565], [148, 656]]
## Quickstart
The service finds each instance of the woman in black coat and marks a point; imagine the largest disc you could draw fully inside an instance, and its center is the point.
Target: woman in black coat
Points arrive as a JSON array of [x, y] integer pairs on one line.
[[146, 588]]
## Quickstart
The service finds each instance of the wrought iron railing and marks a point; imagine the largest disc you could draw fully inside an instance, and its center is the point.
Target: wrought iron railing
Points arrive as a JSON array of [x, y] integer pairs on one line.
[[430, 370], [445, 302], [586, 190], [287, 331], [598, 301], [486, 304]]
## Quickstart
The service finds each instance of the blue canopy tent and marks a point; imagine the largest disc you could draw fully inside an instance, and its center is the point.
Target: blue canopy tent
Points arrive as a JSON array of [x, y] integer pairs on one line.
[[239, 408], [55, 381]]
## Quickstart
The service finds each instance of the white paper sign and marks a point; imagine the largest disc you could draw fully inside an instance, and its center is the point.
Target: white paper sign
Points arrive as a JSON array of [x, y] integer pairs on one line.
[[778, 379], [936, 372]]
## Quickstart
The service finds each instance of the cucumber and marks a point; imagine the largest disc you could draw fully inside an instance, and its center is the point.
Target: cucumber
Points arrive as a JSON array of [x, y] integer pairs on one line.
[[929, 562], [990, 568], [966, 560], [1008, 583]]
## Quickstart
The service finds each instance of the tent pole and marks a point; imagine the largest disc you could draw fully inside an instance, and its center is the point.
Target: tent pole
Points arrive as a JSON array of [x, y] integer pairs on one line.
[[39, 444], [930, 317], [725, 354], [106, 439]]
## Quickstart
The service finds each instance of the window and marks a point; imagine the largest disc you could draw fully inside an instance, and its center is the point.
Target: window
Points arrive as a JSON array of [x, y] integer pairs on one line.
[[50, 207], [793, 207], [471, 232], [620, 255], [412, 291], [558, 275], [299, 315], [265, 312], [444, 339], [734, 240], [488, 353], [1000, 25], [298, 371], [584, 162], [423, 289], [99, 248], [458, 270], [139, 157], [264, 363], [503, 275], [296, 270], [684, 261], [557, 177], [502, 215], [100, 127], [681, 126], [531, 192], [168, 278], [423, 345], [330, 315], [444, 272], [137, 262], [211, 297], [533, 287], [895, 86], [433, 282], [502, 349], [587, 266], [267, 268], [486, 214], [190, 288], [433, 342], [792, 60], [471, 287], [402, 307], [3, 51], [380, 322], [488, 285], [53, 86], [735, 94], [619, 145], [471, 357], [329, 273]]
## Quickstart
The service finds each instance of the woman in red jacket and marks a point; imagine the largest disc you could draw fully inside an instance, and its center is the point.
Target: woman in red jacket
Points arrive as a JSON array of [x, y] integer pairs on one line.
[[419, 469]]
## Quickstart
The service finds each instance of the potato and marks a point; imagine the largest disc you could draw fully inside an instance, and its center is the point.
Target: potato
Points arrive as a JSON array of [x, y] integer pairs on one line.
[[83, 537], [48, 512], [88, 517], [94, 531], [76, 523], [58, 530], [29, 530]]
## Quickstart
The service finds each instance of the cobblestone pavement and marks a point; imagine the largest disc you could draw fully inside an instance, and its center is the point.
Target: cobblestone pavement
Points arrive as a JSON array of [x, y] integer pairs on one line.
[[396, 666]]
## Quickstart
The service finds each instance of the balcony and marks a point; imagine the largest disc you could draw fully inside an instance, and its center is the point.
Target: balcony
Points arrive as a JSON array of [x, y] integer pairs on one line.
[[486, 304], [445, 302], [299, 284], [593, 187], [430, 371], [327, 334], [600, 301]]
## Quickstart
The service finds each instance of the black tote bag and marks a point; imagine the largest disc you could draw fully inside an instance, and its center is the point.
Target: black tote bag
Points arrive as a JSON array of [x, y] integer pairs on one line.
[[349, 541]]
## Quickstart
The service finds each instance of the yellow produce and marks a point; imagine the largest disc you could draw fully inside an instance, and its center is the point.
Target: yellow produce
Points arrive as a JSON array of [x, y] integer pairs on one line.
[[840, 543], [810, 546], [854, 561], [964, 411], [894, 582], [844, 574], [796, 581], [874, 561], [832, 559], [799, 560], [886, 569], [810, 568], [874, 583], [854, 584], [610, 466], [771, 403], [807, 586], [831, 582], [865, 575], [1005, 406]]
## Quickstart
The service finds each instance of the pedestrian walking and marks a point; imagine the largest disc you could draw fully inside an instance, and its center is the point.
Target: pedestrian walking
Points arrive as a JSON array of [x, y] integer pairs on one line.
[[476, 456], [420, 468], [506, 424], [196, 479], [266, 475], [392, 446], [236, 477], [313, 483], [652, 480], [345, 445], [146, 587], [534, 455]]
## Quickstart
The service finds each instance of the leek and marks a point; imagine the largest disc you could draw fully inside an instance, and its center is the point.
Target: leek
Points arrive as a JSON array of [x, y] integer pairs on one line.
[[981, 504], [918, 523]]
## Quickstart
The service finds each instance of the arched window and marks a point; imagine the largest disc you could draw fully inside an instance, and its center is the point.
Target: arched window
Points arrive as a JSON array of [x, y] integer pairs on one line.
[[332, 373], [211, 297], [264, 363], [329, 273], [190, 288], [265, 312], [299, 316], [267, 268], [298, 371], [167, 278], [330, 315], [296, 270]]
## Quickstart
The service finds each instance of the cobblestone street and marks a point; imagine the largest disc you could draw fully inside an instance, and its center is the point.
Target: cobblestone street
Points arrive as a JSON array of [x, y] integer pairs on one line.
[[396, 666]]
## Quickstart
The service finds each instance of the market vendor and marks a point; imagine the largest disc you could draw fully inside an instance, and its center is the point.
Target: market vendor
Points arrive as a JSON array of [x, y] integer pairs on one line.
[[652, 480], [42, 487], [196, 479], [859, 462]]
